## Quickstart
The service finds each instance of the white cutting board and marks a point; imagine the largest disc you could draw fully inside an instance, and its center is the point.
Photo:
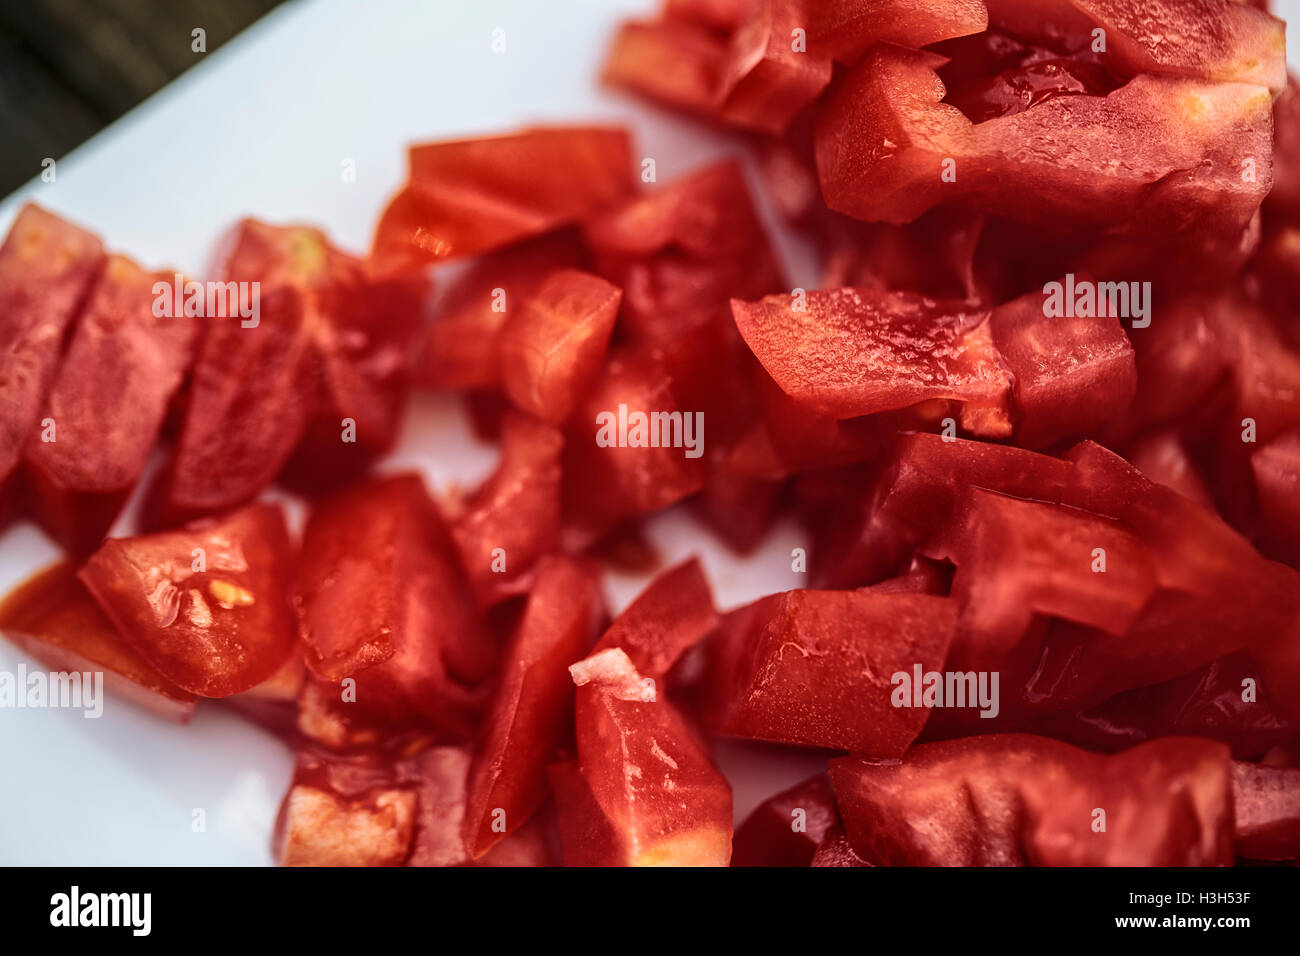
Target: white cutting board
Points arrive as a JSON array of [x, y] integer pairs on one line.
[[262, 127]]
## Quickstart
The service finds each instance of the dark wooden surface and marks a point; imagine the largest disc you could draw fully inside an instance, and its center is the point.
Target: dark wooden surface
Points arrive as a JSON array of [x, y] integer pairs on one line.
[[68, 68]]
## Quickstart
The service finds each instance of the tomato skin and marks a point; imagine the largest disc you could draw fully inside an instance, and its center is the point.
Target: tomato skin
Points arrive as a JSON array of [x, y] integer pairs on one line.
[[46, 268], [382, 600], [78, 483], [468, 197], [768, 838], [52, 617], [531, 715], [215, 631], [1017, 799], [1276, 469]]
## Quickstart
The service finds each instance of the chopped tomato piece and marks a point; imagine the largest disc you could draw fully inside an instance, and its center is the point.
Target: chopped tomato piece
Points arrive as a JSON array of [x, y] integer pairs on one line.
[[915, 496], [787, 829], [1162, 457], [461, 348], [1015, 800], [53, 618], [514, 518], [673, 62], [46, 268], [1276, 468], [847, 29], [1267, 802], [851, 352], [888, 149], [821, 670], [274, 702], [665, 802], [1016, 559], [382, 601], [530, 717], [1220, 40], [614, 468], [766, 80], [719, 14], [208, 605], [1054, 361], [320, 370], [835, 850], [683, 251], [79, 476], [673, 614], [552, 347], [466, 197]]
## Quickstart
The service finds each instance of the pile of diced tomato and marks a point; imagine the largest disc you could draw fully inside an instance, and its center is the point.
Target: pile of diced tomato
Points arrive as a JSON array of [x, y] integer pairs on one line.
[[1092, 506]]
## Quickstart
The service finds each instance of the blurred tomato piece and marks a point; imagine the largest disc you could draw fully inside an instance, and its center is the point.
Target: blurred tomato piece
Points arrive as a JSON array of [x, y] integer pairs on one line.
[[122, 347], [673, 614], [787, 828], [52, 617]]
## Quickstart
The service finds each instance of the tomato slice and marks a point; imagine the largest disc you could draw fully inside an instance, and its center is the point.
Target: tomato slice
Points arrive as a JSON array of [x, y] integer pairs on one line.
[[665, 802], [1016, 799], [552, 348], [852, 352], [53, 618], [514, 518], [322, 374], [530, 717], [673, 614], [208, 605], [819, 671], [382, 601], [46, 268], [835, 850], [467, 197], [788, 828], [79, 481]]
